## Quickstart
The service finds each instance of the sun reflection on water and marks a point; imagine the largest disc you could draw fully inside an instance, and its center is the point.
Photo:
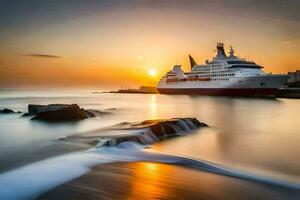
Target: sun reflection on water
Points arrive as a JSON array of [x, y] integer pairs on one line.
[[153, 107], [147, 181]]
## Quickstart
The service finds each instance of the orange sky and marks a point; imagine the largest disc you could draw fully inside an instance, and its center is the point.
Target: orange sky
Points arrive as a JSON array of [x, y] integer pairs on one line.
[[110, 45]]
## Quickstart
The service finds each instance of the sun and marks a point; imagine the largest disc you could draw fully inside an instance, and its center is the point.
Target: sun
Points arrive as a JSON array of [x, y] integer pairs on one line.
[[152, 72]]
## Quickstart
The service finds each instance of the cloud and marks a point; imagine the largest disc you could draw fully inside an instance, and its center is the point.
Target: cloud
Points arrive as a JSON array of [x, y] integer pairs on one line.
[[42, 55]]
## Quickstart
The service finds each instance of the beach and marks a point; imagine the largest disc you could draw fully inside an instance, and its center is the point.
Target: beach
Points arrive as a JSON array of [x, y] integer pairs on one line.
[[146, 180]]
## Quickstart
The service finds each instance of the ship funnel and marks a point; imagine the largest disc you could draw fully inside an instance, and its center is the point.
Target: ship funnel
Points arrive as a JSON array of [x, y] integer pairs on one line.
[[192, 61], [220, 51]]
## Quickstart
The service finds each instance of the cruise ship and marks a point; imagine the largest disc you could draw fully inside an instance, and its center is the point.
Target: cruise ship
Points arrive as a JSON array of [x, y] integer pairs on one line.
[[223, 75]]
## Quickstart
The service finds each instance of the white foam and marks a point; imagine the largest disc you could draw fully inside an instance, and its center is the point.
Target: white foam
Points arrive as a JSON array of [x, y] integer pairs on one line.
[[30, 181]]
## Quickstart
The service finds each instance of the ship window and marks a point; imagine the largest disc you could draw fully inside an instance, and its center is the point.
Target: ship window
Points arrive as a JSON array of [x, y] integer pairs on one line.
[[239, 62], [246, 66]]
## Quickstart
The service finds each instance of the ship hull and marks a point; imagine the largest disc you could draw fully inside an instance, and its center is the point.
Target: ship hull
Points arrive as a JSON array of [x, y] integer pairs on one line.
[[222, 91], [236, 86]]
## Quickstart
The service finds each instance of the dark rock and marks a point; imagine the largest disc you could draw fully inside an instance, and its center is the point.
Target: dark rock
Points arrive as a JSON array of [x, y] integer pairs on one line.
[[127, 134], [37, 109], [65, 113], [6, 111], [27, 115], [153, 130], [89, 113]]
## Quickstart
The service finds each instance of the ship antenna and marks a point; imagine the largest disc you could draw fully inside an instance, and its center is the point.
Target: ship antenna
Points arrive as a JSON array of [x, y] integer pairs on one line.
[[231, 51]]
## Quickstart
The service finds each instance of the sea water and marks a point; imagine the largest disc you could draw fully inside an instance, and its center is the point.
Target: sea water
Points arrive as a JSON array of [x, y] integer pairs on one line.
[[252, 135]]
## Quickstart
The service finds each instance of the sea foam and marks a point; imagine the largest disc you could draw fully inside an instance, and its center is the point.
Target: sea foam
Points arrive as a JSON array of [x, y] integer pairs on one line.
[[31, 181]]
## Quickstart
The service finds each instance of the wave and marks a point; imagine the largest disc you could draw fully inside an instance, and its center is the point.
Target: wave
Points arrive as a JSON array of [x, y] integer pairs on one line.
[[31, 181], [146, 132]]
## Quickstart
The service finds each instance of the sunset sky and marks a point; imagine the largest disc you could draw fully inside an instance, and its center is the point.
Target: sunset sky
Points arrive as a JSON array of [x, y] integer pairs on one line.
[[114, 43]]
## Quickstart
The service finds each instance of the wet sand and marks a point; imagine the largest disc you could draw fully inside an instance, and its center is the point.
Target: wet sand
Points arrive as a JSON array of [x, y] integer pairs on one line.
[[145, 180], [11, 159]]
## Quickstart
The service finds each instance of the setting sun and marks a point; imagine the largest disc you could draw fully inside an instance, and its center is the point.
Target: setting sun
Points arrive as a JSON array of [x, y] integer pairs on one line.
[[152, 72]]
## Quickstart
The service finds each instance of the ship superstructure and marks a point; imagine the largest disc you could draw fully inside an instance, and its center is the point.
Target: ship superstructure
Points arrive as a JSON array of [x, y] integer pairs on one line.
[[223, 75]]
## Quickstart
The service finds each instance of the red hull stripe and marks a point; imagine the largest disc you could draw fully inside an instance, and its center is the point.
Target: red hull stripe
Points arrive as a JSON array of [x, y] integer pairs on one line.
[[222, 91]]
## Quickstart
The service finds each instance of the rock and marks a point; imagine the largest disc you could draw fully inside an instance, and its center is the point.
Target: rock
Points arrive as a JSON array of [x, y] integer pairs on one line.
[[6, 111], [90, 113], [170, 127], [27, 115], [59, 112], [37, 109], [150, 131]]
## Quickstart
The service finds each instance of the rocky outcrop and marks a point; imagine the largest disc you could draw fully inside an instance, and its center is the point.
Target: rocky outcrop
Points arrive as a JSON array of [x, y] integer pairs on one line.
[[27, 115], [169, 127], [34, 109], [150, 131], [58, 112], [8, 111]]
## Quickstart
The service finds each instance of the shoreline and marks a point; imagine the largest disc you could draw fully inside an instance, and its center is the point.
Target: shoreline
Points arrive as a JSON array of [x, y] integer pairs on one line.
[[146, 180]]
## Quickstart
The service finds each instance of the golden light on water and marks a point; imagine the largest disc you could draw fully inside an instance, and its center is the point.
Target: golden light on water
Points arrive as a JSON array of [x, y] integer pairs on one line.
[[153, 107], [146, 179]]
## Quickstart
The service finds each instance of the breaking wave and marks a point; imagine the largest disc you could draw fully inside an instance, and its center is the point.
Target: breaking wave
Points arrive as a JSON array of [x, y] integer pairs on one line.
[[29, 182]]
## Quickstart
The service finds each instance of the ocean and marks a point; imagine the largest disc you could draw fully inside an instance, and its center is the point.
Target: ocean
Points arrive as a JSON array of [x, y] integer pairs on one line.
[[257, 138]]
